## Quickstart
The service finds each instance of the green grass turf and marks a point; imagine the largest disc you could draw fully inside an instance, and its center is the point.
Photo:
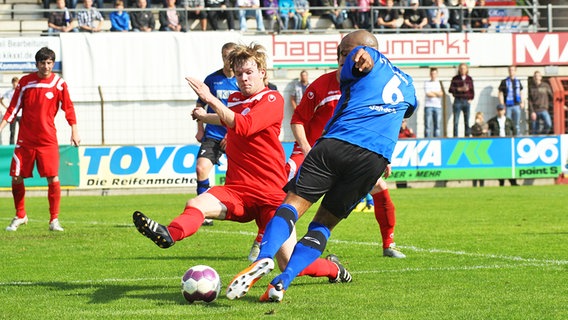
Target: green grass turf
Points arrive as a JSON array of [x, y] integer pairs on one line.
[[473, 253]]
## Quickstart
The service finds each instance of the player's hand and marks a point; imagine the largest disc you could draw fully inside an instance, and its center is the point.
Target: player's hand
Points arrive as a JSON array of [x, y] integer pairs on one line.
[[388, 171], [75, 140], [363, 60], [200, 88], [223, 143], [198, 113]]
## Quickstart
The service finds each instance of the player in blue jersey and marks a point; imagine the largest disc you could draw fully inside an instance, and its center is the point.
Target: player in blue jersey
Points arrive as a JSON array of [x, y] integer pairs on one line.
[[221, 83], [343, 166]]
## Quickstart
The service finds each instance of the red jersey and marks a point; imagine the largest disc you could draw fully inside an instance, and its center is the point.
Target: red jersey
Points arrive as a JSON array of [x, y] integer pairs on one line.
[[316, 107], [40, 99], [255, 155]]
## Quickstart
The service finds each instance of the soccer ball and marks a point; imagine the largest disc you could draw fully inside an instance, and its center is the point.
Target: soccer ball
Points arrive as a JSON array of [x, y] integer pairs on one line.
[[200, 283]]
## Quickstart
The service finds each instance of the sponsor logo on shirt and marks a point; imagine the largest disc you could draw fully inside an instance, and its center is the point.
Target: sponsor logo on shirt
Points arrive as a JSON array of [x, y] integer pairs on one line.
[[383, 109]]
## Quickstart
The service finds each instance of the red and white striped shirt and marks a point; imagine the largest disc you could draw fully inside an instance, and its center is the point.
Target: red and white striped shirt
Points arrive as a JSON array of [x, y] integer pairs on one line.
[[39, 100], [255, 155]]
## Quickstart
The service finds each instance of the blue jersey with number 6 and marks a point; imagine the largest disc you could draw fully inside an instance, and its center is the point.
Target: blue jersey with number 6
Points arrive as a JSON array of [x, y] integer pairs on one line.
[[372, 105]]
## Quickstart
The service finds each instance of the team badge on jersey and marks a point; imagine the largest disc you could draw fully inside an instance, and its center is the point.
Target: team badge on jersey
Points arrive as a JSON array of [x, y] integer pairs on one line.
[[271, 98], [310, 95]]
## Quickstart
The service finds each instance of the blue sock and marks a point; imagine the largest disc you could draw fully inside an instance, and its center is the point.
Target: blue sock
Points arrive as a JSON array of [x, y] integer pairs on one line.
[[278, 230], [306, 251], [203, 186], [369, 199]]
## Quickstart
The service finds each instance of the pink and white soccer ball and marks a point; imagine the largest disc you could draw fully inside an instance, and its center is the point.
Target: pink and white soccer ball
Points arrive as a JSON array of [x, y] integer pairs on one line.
[[200, 283]]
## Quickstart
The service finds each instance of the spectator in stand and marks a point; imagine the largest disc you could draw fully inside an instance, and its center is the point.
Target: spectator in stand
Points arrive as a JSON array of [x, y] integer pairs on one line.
[[461, 87], [414, 17], [438, 16], [540, 100], [479, 129], [480, 17], [511, 96], [304, 14], [287, 13], [173, 18], [300, 86], [388, 17], [142, 20], [433, 105], [250, 8], [195, 11], [364, 14], [335, 15], [405, 132], [220, 13], [90, 19], [502, 126], [60, 20], [119, 19], [351, 13], [459, 17], [7, 96], [272, 14]]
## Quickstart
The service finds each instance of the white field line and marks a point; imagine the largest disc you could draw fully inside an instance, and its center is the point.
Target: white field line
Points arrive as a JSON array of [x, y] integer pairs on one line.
[[525, 262], [415, 270]]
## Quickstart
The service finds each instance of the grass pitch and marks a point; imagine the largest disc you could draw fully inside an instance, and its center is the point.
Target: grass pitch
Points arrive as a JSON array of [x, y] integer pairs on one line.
[[473, 253]]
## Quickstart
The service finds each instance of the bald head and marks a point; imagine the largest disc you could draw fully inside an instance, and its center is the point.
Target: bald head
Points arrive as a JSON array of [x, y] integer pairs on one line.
[[360, 38]]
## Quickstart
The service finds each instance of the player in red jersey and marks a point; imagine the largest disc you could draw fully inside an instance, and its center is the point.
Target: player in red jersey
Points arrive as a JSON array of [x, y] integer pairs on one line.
[[308, 121], [39, 95], [255, 173]]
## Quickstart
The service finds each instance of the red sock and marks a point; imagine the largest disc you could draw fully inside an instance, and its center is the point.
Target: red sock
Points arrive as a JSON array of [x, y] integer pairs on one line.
[[19, 193], [54, 198], [321, 268], [384, 213], [186, 223]]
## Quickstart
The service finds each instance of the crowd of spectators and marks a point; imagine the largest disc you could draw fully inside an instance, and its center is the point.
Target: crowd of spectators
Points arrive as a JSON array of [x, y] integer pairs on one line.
[[174, 15]]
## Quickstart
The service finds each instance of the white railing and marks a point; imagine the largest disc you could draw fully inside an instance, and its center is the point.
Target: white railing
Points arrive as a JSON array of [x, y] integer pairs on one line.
[[21, 18]]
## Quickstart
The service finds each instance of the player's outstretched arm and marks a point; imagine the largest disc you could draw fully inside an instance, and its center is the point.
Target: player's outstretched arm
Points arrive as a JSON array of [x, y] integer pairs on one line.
[[202, 116], [225, 114]]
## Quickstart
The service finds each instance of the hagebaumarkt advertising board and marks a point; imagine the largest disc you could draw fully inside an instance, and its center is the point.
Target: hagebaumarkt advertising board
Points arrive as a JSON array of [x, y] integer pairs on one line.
[[68, 168], [483, 158], [138, 166]]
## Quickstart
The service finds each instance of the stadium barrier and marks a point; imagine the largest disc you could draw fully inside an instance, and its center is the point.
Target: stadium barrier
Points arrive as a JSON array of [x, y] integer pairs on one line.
[[173, 166]]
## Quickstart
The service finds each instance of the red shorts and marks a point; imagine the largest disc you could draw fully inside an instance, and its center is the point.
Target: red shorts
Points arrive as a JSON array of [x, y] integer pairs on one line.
[[245, 204], [46, 157]]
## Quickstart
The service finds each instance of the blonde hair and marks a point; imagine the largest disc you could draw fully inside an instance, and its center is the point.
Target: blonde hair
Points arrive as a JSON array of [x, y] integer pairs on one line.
[[243, 53]]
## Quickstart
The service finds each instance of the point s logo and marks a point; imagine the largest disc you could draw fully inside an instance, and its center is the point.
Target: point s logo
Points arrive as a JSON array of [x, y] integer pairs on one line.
[[540, 49]]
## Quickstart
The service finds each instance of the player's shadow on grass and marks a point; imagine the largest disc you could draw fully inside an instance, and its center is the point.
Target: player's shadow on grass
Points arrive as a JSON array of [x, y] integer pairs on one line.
[[108, 293], [193, 258]]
